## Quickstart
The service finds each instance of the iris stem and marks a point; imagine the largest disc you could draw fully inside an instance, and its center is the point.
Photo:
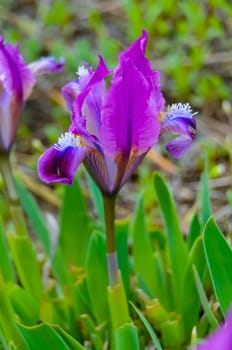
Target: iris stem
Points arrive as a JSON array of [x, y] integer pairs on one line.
[[15, 208], [112, 260]]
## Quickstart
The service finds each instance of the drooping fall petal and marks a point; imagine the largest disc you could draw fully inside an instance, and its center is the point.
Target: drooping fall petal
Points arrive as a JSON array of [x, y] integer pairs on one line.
[[60, 162]]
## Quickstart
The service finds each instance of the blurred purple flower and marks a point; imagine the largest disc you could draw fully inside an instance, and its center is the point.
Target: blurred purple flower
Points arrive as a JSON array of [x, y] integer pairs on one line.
[[221, 339], [111, 131], [16, 83]]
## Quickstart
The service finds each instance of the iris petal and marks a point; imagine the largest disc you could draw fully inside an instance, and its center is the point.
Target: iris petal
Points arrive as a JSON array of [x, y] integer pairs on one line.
[[101, 72], [179, 120], [128, 120], [179, 146], [47, 65], [70, 92], [136, 52], [56, 165]]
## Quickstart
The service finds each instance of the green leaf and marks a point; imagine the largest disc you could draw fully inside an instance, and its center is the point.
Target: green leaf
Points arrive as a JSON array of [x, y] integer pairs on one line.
[[205, 197], [126, 337], [74, 226], [148, 328], [209, 313], [190, 300], [118, 305], [194, 231], [177, 248], [219, 259], [96, 274], [93, 332], [69, 340], [42, 337], [8, 326], [26, 263], [6, 266], [143, 253], [26, 307], [121, 233], [35, 216]]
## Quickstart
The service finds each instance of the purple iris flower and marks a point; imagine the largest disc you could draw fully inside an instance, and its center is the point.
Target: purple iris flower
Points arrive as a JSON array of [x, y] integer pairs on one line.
[[16, 82], [221, 339], [111, 130]]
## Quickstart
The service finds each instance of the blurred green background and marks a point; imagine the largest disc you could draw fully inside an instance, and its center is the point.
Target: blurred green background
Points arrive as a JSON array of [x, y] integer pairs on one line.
[[190, 41]]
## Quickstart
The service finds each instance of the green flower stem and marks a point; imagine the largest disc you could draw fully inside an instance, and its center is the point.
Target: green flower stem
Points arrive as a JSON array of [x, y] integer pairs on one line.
[[16, 211], [112, 261]]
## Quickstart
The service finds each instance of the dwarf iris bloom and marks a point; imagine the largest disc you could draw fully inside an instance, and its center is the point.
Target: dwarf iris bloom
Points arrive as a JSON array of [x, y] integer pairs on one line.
[[112, 130], [16, 82]]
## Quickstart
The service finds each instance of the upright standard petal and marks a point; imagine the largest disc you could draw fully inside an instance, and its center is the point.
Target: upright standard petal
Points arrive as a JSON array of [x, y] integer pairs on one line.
[[179, 120], [128, 120], [88, 104], [101, 72], [60, 162], [136, 52]]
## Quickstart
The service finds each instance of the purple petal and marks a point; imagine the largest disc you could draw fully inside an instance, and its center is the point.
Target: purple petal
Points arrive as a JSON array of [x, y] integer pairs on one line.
[[47, 65], [88, 104], [102, 170], [133, 163], [179, 146], [179, 126], [101, 72], [179, 120], [136, 53], [128, 119], [15, 79], [70, 92], [16, 75], [56, 165], [10, 77], [221, 339], [10, 110]]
